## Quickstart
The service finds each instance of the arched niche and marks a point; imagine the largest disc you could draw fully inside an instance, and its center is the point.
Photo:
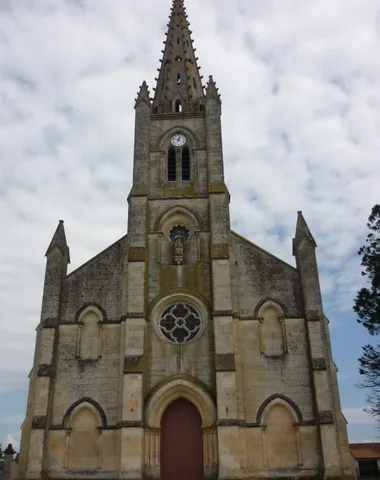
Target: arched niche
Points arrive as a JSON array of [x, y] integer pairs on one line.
[[175, 219], [83, 422], [272, 333], [90, 330], [279, 420]]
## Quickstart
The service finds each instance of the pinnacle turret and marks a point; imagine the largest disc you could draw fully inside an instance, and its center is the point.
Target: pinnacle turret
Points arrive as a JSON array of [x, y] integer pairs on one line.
[[143, 94], [212, 91], [179, 84], [59, 240], [303, 231]]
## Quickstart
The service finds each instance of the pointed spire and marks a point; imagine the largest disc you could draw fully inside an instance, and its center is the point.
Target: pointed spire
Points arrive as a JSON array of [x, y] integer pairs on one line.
[[179, 84], [143, 94], [303, 231], [212, 91], [59, 240]]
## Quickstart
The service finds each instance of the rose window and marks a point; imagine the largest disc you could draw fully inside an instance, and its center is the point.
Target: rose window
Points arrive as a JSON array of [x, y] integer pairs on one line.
[[180, 323]]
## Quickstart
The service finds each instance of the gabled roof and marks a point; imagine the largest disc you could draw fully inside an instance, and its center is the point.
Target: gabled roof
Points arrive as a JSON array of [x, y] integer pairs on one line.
[[362, 451]]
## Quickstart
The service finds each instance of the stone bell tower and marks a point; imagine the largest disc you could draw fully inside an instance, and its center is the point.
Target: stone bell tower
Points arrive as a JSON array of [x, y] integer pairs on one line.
[[183, 350], [178, 243]]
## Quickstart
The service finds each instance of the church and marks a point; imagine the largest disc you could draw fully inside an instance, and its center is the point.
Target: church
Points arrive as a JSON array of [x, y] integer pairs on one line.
[[183, 350]]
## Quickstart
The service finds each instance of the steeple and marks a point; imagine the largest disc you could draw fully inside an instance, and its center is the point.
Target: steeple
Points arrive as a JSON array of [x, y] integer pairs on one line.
[[179, 84]]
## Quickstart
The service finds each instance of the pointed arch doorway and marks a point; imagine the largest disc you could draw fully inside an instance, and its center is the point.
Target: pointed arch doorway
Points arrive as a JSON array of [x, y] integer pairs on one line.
[[181, 442]]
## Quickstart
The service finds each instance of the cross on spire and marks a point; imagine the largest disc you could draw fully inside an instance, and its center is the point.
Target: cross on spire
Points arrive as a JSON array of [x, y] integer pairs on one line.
[[179, 84]]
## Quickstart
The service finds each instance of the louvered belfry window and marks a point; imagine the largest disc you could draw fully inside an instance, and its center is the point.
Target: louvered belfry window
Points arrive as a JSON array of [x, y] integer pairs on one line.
[[182, 156], [185, 164], [172, 165]]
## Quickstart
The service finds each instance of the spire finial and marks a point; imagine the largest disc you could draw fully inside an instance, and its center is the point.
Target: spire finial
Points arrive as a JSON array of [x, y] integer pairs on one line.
[[179, 85], [143, 95]]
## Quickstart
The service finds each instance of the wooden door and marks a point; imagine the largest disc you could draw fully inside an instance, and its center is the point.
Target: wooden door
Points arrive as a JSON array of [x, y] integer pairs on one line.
[[181, 442]]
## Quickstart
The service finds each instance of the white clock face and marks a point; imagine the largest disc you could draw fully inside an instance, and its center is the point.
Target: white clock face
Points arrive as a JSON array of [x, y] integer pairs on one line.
[[178, 140]]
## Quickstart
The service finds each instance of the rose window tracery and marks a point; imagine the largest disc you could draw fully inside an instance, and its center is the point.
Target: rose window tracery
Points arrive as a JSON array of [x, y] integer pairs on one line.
[[180, 323]]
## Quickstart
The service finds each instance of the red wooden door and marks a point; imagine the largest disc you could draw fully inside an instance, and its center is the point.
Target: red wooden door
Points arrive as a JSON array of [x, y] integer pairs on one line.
[[181, 442]]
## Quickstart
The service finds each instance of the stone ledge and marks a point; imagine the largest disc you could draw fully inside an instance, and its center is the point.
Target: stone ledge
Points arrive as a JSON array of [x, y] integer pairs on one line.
[[136, 254], [230, 423], [217, 188], [220, 252], [319, 364], [222, 313], [130, 424], [44, 370], [134, 364], [313, 316], [326, 417], [50, 322], [225, 362], [133, 315], [39, 422]]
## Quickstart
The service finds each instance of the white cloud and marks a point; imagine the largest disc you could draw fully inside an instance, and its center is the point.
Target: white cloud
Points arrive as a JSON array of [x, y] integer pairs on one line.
[[13, 439], [357, 416], [300, 85]]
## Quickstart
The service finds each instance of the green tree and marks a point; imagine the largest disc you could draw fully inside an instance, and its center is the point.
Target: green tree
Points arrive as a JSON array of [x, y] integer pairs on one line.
[[367, 308]]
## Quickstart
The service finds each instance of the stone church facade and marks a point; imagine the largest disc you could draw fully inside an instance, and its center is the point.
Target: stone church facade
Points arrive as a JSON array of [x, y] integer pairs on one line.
[[183, 350]]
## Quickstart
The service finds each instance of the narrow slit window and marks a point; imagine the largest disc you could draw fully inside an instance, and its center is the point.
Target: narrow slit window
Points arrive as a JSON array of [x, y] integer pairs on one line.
[[178, 41], [155, 110], [178, 79], [178, 106], [186, 164], [172, 169], [195, 85]]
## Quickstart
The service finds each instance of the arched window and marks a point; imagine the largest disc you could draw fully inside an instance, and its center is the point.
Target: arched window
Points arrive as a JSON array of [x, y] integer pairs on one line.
[[185, 164], [178, 79], [155, 109], [89, 340], [172, 167], [178, 106], [282, 444]]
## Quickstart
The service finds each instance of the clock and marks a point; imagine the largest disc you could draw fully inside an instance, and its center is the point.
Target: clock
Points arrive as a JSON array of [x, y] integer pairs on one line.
[[178, 140]]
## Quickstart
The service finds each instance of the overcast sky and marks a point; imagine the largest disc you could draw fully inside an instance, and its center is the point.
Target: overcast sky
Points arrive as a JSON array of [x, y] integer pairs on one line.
[[300, 85]]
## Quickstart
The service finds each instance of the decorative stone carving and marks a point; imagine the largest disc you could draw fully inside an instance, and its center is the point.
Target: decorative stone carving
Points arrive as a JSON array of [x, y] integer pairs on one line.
[[326, 417], [133, 364], [319, 364], [178, 251], [225, 362]]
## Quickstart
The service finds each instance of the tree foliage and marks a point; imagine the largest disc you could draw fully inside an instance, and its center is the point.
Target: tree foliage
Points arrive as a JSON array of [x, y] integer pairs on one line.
[[367, 302], [367, 308]]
